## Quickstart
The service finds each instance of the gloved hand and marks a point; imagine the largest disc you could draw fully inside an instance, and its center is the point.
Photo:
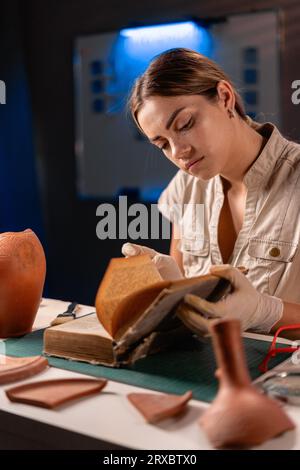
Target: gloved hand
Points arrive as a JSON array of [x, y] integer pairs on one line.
[[255, 311], [166, 265]]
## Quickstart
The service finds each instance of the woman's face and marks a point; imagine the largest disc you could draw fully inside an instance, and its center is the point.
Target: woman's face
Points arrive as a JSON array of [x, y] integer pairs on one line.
[[194, 133]]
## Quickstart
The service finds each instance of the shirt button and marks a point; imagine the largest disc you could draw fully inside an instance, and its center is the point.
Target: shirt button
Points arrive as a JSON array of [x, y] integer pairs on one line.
[[274, 252]]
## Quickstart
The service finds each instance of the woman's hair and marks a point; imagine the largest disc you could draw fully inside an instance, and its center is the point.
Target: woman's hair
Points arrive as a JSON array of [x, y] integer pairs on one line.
[[177, 72]]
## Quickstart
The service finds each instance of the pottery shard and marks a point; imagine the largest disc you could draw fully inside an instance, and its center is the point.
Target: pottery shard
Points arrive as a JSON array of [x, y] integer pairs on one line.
[[156, 407], [52, 393], [20, 368]]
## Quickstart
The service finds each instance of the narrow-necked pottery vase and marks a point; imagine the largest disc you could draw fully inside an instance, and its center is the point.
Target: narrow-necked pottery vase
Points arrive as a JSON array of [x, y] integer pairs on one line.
[[240, 415]]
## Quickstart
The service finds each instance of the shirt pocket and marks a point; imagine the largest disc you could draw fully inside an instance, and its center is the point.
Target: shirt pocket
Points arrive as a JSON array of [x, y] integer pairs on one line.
[[195, 255], [270, 259], [194, 246]]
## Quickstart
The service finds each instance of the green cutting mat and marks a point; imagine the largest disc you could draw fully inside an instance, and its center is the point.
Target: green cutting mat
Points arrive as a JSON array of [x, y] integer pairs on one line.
[[190, 368]]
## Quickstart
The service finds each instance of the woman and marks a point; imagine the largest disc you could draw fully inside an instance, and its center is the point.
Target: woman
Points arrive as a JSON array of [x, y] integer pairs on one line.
[[245, 174]]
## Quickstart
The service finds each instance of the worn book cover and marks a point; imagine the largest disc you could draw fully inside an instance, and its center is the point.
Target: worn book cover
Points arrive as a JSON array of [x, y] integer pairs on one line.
[[136, 314]]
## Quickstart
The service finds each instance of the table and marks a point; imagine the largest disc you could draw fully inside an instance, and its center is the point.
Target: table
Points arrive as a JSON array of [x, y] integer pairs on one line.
[[108, 421]]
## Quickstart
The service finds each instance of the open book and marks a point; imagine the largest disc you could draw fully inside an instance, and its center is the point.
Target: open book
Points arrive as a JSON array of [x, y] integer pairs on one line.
[[136, 314]]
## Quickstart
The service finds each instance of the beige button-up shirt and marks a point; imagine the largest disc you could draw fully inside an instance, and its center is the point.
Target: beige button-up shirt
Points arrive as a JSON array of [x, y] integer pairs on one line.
[[268, 241]]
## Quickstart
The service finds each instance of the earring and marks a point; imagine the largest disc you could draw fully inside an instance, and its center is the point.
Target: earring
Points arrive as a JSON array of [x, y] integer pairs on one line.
[[231, 113]]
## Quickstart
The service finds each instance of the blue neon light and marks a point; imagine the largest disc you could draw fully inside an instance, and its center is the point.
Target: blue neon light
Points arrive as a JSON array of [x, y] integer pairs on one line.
[[135, 48], [161, 31]]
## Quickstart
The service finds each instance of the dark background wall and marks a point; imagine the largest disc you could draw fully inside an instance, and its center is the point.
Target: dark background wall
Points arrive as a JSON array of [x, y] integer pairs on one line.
[[19, 193], [45, 30]]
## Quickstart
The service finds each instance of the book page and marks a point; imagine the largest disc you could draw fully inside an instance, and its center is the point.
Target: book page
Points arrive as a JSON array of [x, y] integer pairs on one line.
[[123, 277], [86, 325], [126, 275]]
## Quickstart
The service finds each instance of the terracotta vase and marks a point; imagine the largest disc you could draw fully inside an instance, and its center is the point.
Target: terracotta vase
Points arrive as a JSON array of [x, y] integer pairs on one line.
[[240, 416], [22, 277]]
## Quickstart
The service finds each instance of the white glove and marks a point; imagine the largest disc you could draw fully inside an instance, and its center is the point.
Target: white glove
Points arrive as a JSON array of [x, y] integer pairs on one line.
[[255, 311], [166, 265]]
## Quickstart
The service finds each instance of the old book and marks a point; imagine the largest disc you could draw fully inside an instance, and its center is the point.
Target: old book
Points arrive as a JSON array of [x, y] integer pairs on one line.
[[136, 314], [193, 318], [83, 339]]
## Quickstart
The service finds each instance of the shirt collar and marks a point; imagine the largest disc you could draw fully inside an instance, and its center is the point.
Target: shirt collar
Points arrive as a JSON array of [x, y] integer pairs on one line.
[[265, 162]]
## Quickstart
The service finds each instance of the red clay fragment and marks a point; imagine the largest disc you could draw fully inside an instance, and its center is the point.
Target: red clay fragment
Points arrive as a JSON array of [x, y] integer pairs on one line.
[[20, 368], [52, 393], [156, 407]]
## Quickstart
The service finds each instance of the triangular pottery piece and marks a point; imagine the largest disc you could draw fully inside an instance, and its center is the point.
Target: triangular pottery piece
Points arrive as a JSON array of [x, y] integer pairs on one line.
[[20, 368], [156, 407], [52, 393]]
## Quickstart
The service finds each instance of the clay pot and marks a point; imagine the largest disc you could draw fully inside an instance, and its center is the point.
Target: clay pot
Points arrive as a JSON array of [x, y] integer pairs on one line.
[[240, 415], [22, 277]]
